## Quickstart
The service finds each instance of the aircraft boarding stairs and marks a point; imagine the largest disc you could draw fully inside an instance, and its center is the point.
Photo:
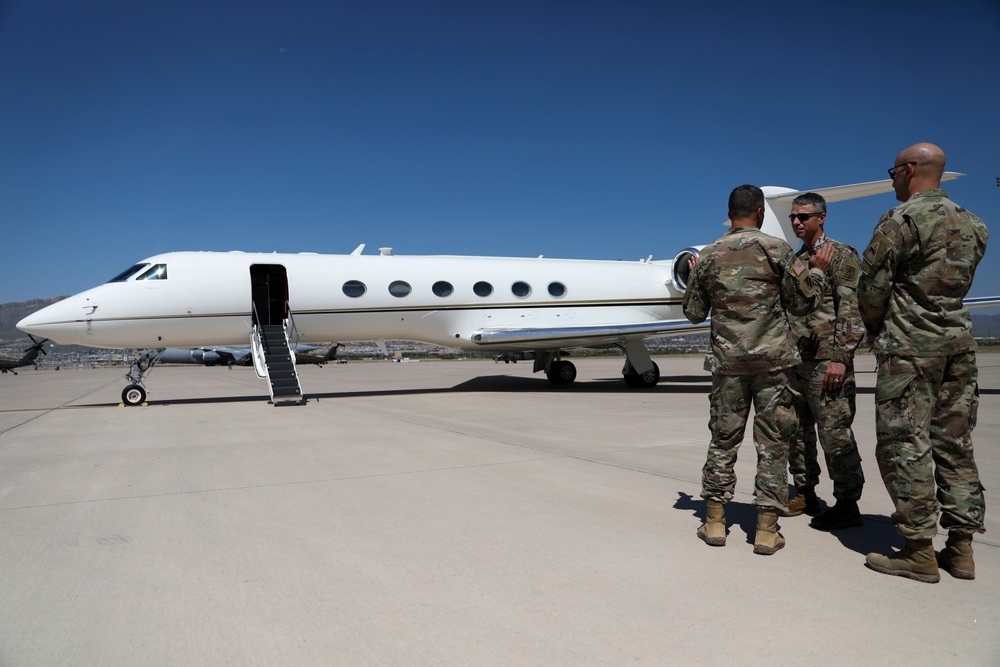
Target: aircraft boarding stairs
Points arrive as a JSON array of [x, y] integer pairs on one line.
[[272, 359]]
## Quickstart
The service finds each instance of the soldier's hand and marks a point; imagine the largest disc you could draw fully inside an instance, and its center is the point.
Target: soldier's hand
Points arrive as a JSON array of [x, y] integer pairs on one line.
[[834, 378], [822, 258], [692, 260]]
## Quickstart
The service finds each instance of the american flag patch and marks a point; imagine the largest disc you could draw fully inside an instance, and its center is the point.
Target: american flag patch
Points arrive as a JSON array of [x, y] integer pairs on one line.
[[799, 268]]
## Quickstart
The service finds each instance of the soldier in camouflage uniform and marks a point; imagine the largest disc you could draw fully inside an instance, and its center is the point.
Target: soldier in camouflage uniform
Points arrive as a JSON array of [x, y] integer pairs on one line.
[[917, 269], [746, 280], [827, 338]]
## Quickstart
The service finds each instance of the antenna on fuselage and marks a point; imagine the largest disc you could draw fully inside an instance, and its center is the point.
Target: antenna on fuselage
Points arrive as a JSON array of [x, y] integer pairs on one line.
[[357, 251]]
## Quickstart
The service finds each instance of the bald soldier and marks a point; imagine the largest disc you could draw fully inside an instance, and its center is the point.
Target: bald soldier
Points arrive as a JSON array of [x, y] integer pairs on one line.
[[917, 269]]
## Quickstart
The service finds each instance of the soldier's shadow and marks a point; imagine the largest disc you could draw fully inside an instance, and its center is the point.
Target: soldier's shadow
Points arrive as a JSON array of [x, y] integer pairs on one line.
[[877, 534]]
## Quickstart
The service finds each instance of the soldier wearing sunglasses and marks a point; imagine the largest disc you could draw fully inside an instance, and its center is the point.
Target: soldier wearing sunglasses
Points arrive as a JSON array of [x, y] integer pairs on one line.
[[827, 338], [917, 269]]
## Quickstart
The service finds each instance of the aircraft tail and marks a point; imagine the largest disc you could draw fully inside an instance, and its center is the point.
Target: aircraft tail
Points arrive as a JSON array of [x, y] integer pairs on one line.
[[778, 202]]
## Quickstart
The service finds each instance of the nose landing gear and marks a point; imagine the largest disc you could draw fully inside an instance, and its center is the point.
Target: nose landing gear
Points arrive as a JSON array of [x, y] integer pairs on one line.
[[142, 364]]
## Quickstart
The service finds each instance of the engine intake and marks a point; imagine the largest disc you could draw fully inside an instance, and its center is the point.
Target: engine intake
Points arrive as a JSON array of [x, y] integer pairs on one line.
[[680, 272]]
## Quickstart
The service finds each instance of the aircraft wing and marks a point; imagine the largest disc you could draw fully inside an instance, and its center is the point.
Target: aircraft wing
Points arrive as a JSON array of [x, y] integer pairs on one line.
[[612, 334], [981, 301], [584, 336]]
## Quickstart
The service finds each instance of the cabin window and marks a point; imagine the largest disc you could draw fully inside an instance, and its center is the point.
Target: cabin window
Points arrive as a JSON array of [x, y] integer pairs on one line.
[[442, 288], [128, 273], [482, 288], [155, 272], [354, 288], [520, 288], [557, 289], [399, 288]]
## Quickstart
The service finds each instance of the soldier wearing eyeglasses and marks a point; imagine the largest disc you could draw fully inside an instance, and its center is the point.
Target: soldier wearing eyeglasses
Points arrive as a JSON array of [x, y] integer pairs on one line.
[[747, 280], [827, 338], [917, 268]]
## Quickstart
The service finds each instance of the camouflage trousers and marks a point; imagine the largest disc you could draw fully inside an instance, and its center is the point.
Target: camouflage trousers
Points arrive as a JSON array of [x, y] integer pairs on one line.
[[926, 409], [833, 412], [774, 425]]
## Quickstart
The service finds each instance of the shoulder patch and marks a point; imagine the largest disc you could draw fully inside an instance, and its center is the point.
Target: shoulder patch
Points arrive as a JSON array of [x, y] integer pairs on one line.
[[799, 267], [848, 276], [848, 272], [877, 252]]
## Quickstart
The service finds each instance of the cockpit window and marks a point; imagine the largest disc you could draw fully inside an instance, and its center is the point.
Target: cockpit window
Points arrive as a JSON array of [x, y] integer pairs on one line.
[[128, 273], [155, 272]]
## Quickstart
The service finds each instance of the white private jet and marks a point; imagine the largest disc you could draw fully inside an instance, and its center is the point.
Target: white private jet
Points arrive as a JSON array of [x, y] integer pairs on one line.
[[538, 306]]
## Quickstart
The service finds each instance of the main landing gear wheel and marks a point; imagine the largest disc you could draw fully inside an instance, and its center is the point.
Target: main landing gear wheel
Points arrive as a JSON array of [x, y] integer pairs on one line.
[[133, 395], [642, 380], [561, 372]]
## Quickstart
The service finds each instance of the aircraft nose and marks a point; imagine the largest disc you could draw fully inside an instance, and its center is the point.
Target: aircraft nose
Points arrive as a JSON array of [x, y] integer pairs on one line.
[[34, 323], [59, 322]]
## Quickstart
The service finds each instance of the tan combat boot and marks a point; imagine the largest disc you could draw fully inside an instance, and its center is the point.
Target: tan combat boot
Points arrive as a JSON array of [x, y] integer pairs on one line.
[[956, 557], [803, 502], [768, 539], [713, 531], [916, 561]]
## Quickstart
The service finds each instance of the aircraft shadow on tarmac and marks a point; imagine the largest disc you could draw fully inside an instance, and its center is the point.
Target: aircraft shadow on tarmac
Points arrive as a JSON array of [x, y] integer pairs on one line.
[[876, 535], [540, 385], [686, 384], [670, 384]]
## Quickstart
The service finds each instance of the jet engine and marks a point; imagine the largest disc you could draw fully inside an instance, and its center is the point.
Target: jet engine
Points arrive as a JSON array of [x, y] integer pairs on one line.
[[207, 357], [680, 272]]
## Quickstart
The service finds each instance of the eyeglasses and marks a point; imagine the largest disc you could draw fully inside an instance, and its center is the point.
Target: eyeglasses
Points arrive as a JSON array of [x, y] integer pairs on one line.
[[803, 216], [892, 172]]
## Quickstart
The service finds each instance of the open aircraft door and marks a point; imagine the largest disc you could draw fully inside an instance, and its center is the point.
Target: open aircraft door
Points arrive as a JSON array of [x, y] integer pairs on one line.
[[269, 292]]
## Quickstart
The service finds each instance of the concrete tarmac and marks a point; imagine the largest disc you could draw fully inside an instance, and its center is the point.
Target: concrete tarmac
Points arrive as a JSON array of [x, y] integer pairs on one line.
[[439, 513]]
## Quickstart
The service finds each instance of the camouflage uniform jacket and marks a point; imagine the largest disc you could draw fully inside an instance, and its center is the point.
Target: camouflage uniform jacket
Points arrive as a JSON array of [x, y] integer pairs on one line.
[[834, 330], [917, 268], [747, 280]]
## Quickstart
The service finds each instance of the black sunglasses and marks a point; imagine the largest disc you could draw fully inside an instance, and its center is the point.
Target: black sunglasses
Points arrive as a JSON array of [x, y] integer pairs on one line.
[[802, 216], [892, 172]]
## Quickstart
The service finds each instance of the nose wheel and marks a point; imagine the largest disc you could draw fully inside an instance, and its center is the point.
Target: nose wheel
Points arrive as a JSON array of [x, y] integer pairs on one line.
[[133, 395]]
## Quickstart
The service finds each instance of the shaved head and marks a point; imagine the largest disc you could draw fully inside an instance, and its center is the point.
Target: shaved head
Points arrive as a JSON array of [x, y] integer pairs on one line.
[[920, 167], [927, 157]]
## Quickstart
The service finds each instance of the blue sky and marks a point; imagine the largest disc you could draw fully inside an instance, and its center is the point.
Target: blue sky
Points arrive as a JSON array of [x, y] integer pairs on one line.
[[606, 130]]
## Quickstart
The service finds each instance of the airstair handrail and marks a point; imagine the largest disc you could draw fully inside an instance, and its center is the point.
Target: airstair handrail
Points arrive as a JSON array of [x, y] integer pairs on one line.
[[293, 334]]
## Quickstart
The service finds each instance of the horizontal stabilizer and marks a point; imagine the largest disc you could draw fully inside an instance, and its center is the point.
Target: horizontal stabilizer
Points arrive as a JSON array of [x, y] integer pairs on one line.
[[845, 192], [778, 202]]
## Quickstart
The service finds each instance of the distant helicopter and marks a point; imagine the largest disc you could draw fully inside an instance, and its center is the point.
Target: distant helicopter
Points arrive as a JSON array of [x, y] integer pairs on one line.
[[30, 354]]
